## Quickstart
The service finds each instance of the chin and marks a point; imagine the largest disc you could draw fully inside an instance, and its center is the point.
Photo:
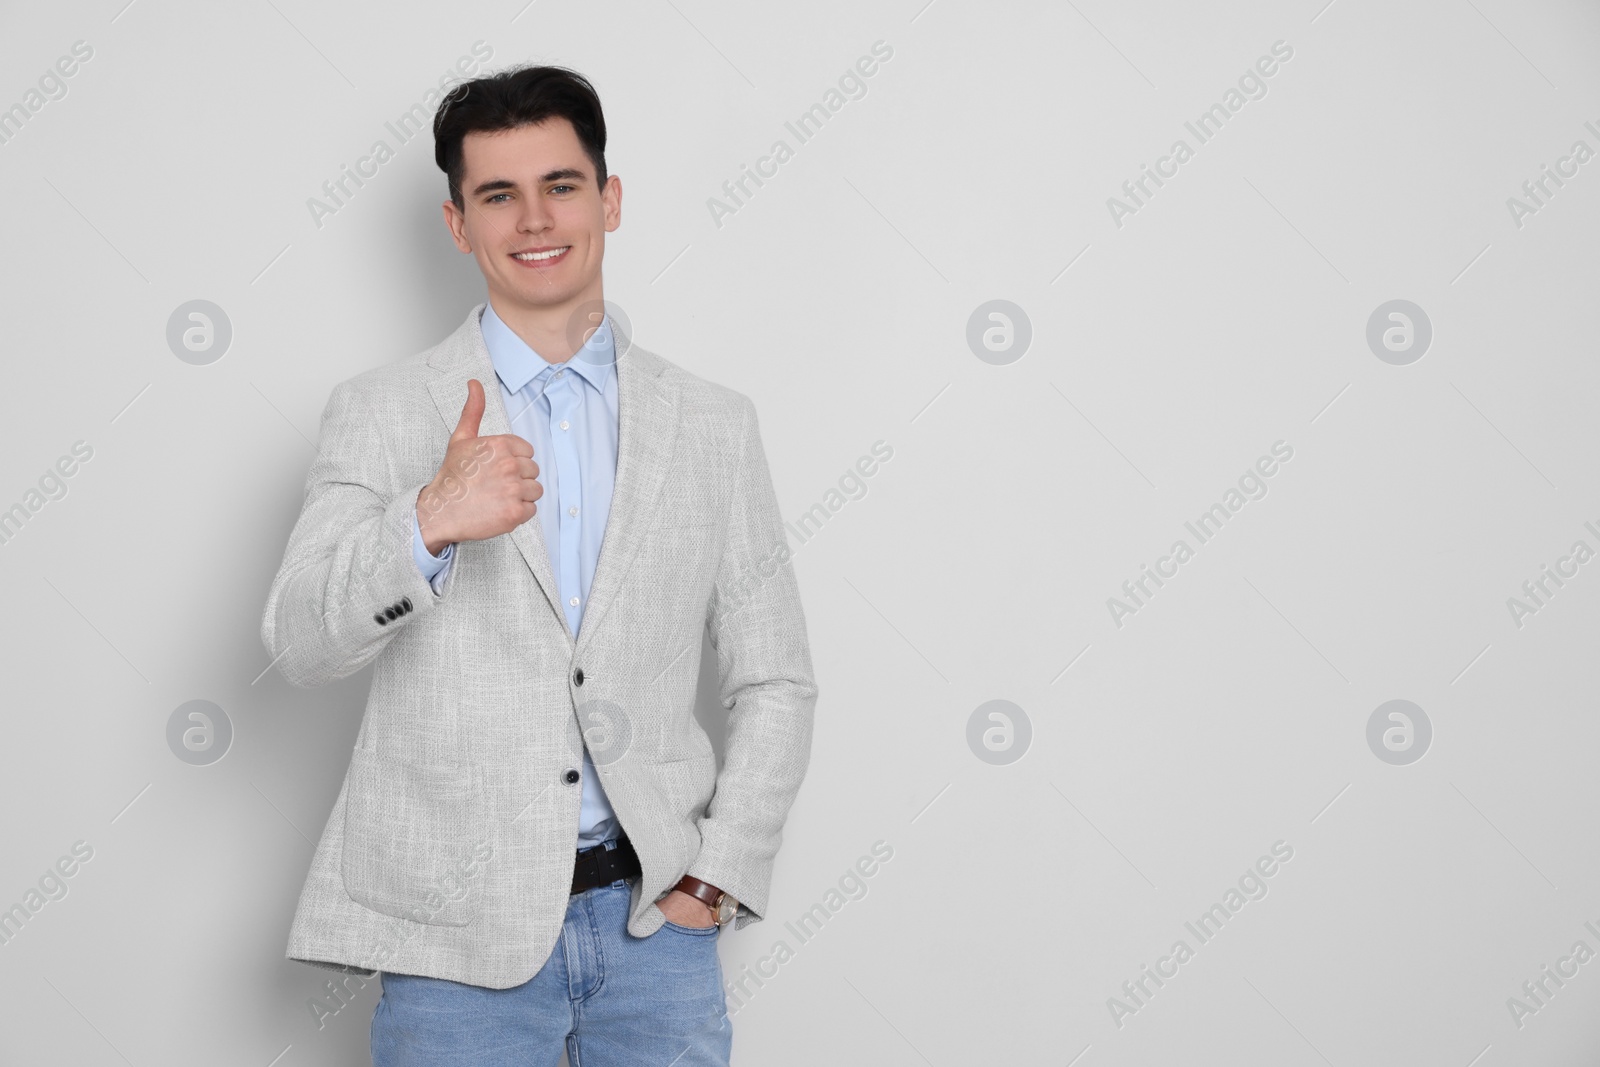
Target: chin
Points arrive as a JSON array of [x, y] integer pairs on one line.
[[545, 295]]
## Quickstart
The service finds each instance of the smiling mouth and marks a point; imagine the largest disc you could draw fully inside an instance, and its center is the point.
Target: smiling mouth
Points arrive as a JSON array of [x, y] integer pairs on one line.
[[542, 258]]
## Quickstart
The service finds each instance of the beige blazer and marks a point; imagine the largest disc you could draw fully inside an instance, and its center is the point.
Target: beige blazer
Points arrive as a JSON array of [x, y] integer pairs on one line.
[[449, 851]]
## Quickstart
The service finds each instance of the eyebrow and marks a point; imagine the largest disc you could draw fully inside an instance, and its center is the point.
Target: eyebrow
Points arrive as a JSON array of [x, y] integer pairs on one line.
[[497, 184]]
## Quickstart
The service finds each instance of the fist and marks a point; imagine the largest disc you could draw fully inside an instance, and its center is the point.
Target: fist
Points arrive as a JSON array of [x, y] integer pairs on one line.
[[485, 487]]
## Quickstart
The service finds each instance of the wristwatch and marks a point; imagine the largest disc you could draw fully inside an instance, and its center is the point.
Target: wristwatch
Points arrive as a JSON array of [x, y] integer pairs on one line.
[[723, 907]]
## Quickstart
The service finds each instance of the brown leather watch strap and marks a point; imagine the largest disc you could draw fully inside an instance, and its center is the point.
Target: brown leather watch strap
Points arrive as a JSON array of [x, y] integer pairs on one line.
[[704, 892]]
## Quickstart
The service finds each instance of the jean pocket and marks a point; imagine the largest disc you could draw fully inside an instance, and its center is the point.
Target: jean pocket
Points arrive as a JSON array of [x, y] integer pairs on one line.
[[409, 847], [692, 931]]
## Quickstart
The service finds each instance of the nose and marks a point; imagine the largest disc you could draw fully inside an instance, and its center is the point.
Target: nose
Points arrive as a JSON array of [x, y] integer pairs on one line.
[[533, 218]]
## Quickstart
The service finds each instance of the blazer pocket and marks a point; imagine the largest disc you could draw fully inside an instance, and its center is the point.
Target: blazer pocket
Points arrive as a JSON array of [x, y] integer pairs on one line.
[[410, 849], [687, 784], [682, 526], [682, 544], [678, 520]]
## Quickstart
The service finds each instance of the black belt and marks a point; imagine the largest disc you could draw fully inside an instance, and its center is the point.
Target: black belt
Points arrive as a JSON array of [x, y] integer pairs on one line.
[[600, 865]]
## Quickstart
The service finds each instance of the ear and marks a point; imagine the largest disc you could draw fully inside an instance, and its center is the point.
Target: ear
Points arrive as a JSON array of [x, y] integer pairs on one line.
[[611, 202], [457, 222]]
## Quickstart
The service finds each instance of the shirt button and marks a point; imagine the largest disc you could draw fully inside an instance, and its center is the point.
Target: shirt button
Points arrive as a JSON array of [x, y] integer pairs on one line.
[[564, 424], [573, 602], [573, 511], [560, 372]]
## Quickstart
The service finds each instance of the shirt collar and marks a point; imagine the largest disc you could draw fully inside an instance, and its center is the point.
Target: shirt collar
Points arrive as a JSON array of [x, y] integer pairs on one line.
[[517, 364]]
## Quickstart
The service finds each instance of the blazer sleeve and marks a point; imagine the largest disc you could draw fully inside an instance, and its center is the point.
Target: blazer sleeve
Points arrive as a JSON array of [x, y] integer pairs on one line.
[[348, 582], [764, 664]]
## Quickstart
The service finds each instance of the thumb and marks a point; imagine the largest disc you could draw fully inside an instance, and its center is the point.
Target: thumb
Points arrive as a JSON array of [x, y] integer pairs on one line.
[[471, 413]]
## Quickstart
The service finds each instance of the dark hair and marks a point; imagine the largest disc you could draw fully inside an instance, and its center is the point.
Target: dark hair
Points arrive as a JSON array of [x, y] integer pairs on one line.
[[519, 97]]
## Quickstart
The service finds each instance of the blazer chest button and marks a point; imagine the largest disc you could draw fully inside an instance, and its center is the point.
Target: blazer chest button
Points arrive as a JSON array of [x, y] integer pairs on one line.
[[571, 776], [577, 676]]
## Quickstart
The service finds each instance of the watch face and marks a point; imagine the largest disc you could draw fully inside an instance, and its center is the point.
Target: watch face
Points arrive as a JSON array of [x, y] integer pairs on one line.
[[727, 908]]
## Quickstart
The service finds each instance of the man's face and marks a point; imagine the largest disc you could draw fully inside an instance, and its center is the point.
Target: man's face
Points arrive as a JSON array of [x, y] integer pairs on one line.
[[528, 192]]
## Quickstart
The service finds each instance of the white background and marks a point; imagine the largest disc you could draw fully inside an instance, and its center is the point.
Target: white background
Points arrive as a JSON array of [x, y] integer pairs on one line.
[[1168, 354]]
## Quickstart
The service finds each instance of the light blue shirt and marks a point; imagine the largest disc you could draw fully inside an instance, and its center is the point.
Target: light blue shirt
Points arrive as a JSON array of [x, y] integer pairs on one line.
[[568, 413]]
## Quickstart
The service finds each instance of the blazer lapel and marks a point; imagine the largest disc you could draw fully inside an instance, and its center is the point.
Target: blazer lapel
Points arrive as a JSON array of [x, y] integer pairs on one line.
[[647, 432], [462, 357]]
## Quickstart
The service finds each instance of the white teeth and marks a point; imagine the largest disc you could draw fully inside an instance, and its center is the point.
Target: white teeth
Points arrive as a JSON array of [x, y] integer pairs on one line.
[[531, 257]]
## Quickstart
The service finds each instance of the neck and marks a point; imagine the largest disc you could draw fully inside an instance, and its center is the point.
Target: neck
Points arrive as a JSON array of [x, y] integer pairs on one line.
[[549, 329]]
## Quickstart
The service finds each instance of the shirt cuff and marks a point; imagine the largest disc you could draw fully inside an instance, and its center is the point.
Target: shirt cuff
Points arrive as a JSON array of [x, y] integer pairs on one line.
[[433, 568]]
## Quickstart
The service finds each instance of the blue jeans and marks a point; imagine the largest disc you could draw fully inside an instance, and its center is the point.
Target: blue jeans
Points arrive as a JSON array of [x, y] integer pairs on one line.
[[615, 1000]]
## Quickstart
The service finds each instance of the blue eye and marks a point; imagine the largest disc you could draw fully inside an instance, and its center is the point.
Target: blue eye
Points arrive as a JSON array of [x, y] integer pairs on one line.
[[497, 196], [553, 189]]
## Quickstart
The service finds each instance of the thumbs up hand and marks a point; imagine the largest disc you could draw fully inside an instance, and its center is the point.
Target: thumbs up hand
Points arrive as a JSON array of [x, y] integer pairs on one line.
[[485, 487]]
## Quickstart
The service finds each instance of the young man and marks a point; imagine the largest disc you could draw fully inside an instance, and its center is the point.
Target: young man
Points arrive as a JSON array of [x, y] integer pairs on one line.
[[526, 529]]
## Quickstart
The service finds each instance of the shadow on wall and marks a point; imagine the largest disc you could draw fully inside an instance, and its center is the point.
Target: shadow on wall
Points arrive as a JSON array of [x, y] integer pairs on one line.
[[446, 282]]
